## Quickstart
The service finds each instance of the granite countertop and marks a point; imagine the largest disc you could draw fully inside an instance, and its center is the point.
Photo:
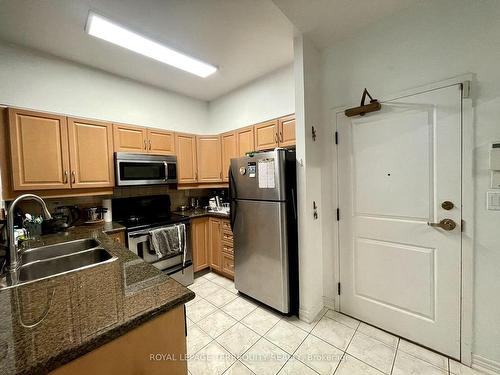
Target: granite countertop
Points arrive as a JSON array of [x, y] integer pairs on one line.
[[50, 322], [200, 212]]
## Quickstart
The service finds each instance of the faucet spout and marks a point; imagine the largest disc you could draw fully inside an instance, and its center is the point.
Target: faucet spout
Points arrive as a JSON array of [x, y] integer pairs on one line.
[[14, 261]]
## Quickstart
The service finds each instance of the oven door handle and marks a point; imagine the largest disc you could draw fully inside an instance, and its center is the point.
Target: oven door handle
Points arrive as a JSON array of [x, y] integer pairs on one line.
[[183, 226]]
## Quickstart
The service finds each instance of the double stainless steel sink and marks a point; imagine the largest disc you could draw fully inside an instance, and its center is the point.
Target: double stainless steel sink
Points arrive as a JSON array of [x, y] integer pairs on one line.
[[48, 261]]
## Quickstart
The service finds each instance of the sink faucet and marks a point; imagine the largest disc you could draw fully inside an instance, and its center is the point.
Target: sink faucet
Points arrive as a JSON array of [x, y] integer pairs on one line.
[[14, 261]]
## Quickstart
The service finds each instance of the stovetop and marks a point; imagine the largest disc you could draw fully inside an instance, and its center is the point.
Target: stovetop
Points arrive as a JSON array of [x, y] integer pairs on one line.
[[144, 212], [141, 222]]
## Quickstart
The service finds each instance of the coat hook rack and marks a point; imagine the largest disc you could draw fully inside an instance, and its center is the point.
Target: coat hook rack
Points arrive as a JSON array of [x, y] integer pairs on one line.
[[363, 109], [313, 132]]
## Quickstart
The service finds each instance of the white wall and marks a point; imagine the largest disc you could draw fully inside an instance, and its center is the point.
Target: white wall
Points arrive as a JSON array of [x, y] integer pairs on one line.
[[34, 80], [309, 162], [270, 96], [434, 41]]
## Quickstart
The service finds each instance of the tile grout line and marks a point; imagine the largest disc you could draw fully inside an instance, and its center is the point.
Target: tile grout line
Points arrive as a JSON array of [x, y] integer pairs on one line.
[[395, 355]]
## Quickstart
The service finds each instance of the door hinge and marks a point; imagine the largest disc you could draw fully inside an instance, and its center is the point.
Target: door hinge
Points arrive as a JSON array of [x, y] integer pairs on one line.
[[336, 138], [465, 88], [338, 289], [338, 214]]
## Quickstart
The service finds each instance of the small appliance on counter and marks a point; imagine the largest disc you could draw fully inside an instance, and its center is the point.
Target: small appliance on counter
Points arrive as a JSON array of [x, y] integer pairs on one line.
[[63, 218], [95, 215], [142, 217]]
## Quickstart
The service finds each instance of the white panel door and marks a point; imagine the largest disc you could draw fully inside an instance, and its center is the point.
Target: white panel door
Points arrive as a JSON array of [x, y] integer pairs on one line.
[[396, 168]]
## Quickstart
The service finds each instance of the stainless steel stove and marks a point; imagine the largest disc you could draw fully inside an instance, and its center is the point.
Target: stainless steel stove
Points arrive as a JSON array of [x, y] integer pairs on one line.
[[142, 214]]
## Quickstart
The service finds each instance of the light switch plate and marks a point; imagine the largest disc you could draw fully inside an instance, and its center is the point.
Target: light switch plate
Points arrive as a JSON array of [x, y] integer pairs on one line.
[[493, 200]]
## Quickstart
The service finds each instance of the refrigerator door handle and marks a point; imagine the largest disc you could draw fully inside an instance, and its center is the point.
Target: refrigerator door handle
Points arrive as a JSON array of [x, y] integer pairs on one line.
[[294, 204], [232, 197]]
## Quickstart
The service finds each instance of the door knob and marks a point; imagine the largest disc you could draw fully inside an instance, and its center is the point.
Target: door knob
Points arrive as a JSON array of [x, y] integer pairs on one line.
[[446, 224]]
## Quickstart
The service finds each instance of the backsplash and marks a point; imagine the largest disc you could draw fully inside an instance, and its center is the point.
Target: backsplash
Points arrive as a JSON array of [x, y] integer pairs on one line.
[[177, 197]]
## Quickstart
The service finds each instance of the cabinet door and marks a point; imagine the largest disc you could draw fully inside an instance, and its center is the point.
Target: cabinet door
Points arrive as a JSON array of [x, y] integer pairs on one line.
[[227, 264], [129, 138], [91, 153], [200, 240], [245, 140], [185, 146], [209, 158], [215, 243], [287, 131], [228, 151], [161, 142], [266, 135], [39, 150]]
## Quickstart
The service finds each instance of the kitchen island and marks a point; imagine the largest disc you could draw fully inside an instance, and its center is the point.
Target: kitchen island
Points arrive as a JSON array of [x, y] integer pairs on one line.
[[110, 318]]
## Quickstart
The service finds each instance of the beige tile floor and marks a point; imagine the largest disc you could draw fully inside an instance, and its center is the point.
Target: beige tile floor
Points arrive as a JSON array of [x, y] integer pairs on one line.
[[229, 333]]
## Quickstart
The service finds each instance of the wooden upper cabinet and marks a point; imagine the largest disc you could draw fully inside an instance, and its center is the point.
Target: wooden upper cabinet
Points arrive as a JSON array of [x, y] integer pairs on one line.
[[215, 243], [209, 158], [161, 142], [286, 127], [129, 138], [185, 146], [91, 153], [245, 141], [200, 243], [39, 150], [266, 135], [229, 151]]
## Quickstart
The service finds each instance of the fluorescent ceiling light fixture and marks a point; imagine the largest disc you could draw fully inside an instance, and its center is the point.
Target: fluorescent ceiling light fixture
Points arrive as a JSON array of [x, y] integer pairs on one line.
[[103, 28]]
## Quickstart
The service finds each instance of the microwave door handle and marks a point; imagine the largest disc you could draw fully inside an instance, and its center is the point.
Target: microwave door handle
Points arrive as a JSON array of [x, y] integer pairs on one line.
[[166, 170]]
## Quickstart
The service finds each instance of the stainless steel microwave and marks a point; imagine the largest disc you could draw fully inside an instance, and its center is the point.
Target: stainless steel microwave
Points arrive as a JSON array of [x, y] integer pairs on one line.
[[144, 169]]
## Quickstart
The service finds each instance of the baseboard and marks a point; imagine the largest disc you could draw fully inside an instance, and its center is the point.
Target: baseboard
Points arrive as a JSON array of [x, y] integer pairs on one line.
[[488, 366], [309, 315], [329, 302]]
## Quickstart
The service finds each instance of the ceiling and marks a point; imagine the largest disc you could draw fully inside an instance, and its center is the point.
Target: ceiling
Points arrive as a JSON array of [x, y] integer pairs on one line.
[[244, 38], [328, 21]]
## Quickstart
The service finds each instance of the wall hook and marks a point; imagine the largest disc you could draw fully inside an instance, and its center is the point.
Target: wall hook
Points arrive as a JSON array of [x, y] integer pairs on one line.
[[373, 106], [315, 210], [313, 133]]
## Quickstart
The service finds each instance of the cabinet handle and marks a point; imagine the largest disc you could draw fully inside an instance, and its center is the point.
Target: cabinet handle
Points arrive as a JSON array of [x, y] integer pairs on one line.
[[145, 145], [73, 177], [65, 177], [149, 145], [275, 138], [281, 136]]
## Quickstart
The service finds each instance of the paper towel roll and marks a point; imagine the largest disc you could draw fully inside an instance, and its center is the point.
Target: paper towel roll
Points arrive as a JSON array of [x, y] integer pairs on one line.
[[108, 216]]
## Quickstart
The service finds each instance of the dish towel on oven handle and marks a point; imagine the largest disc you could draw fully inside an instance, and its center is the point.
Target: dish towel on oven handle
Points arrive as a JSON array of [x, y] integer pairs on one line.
[[168, 241]]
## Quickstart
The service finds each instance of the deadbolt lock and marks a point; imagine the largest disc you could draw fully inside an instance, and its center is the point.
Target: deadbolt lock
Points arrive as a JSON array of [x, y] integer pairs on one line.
[[447, 205], [446, 224]]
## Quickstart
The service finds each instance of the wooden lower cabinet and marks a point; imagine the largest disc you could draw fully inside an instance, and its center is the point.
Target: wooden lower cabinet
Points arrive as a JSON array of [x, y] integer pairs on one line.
[[199, 236], [118, 237], [215, 243], [134, 352], [212, 241]]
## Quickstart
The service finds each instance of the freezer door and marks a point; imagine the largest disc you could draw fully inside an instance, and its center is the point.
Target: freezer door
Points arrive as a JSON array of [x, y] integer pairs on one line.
[[261, 252], [260, 177]]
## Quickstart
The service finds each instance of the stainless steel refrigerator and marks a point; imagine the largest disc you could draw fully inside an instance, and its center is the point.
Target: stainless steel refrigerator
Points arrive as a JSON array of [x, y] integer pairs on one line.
[[263, 214]]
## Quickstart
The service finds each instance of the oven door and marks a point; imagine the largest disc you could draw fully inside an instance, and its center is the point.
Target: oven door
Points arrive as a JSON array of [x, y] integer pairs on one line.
[[139, 169], [179, 267]]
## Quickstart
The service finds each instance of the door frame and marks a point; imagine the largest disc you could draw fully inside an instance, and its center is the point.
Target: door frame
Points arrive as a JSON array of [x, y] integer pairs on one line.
[[467, 186]]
